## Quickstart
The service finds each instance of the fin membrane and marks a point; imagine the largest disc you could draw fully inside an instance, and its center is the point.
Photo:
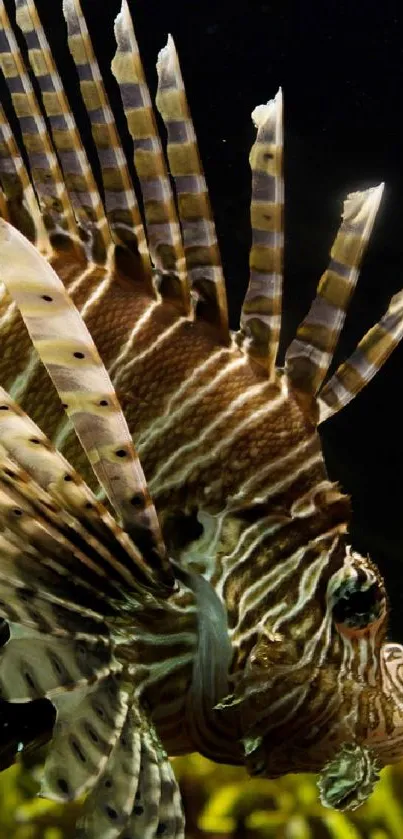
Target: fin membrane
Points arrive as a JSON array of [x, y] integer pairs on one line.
[[137, 797], [87, 728], [44, 499], [69, 354]]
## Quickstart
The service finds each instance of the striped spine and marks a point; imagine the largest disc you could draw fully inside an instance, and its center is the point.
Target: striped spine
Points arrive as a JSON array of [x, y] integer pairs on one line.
[[261, 310], [199, 235], [163, 230], [47, 177], [78, 177], [21, 205], [369, 356], [120, 199], [310, 354]]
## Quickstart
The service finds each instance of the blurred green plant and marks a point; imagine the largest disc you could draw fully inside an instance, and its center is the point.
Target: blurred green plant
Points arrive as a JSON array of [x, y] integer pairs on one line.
[[221, 802]]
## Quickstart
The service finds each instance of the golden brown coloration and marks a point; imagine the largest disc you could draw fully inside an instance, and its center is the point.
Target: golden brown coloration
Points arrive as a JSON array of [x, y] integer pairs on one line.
[[249, 630]]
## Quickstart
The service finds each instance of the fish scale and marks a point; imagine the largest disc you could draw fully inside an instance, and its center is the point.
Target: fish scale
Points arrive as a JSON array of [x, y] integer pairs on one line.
[[176, 573]]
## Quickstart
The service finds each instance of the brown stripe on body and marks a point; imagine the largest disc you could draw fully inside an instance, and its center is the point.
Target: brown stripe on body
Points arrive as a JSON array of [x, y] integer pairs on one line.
[[221, 445], [268, 557]]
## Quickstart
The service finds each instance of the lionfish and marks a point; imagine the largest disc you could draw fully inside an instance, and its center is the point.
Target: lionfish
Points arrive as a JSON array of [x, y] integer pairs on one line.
[[206, 599]]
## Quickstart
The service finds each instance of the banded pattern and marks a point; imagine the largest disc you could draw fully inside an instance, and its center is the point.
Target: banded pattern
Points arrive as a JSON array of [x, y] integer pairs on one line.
[[164, 235], [66, 348], [120, 199], [232, 617], [77, 173], [310, 354], [261, 311], [64, 494], [20, 201], [47, 177], [199, 235], [372, 351]]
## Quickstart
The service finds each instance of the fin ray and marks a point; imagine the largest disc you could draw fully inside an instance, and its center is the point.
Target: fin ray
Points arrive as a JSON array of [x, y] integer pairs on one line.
[[73, 503], [310, 354], [36, 666], [21, 203], [46, 175], [83, 739], [79, 179], [261, 310], [137, 797], [368, 357], [121, 204], [66, 348], [199, 234], [164, 234]]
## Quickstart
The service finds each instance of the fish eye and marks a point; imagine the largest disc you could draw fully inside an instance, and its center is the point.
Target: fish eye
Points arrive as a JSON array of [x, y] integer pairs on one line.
[[358, 599]]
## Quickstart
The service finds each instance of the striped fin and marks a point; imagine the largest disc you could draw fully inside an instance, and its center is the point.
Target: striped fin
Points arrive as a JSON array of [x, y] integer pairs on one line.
[[93, 553], [163, 230], [310, 354], [110, 804], [199, 235], [22, 208], [83, 739], [34, 666], [66, 348], [369, 356], [261, 310], [120, 199], [171, 814], [47, 178], [45, 583], [137, 797], [158, 810], [78, 176]]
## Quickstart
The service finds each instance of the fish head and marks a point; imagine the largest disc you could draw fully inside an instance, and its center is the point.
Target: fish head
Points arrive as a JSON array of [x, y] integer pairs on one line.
[[324, 692]]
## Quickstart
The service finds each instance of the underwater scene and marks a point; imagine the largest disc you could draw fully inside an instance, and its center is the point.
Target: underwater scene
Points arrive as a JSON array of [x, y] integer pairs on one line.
[[201, 450]]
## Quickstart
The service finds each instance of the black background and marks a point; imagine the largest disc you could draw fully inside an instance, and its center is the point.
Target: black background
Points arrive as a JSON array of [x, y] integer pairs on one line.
[[340, 65]]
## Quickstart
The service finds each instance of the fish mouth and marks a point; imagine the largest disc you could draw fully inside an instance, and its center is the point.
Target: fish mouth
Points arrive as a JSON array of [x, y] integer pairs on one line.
[[348, 779]]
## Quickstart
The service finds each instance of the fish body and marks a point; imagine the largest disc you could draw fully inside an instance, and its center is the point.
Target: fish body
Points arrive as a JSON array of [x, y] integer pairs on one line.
[[175, 563]]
